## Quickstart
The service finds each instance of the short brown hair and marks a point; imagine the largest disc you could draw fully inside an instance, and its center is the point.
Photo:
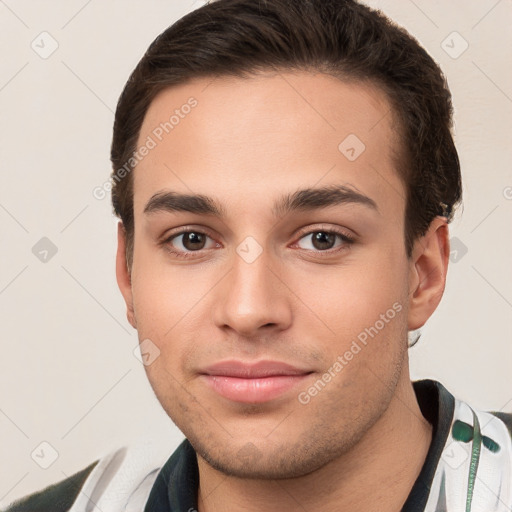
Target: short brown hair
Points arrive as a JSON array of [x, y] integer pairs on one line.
[[340, 37]]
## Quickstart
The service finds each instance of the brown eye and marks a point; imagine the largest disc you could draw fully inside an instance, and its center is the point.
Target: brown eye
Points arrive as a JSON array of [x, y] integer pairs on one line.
[[193, 241], [325, 240], [322, 240], [185, 243]]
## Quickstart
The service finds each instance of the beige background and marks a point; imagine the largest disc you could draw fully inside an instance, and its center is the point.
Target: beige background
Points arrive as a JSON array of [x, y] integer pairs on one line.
[[68, 376]]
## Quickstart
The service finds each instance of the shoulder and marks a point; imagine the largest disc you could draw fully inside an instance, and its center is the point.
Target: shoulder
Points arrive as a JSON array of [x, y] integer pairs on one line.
[[58, 497], [506, 418], [120, 479]]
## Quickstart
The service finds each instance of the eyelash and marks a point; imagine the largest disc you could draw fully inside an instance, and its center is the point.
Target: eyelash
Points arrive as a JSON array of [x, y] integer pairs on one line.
[[345, 237]]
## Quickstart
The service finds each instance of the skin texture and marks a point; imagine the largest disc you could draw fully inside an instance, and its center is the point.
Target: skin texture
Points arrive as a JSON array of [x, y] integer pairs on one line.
[[246, 143]]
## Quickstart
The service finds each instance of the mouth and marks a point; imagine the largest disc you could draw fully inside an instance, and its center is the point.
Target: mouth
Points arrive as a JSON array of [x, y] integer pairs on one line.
[[253, 382]]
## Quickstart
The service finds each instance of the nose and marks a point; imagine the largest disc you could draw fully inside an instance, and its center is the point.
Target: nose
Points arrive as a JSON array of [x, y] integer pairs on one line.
[[253, 298]]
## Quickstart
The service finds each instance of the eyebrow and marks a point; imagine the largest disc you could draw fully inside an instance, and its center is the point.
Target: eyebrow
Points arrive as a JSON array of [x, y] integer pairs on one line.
[[307, 199]]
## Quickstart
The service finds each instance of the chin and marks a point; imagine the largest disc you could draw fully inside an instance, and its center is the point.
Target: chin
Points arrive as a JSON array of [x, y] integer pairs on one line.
[[268, 461]]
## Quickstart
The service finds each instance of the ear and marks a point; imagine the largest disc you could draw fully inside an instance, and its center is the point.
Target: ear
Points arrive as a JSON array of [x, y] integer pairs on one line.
[[123, 274], [427, 276]]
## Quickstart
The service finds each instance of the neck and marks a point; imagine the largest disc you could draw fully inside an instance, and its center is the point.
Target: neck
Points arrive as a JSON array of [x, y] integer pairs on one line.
[[377, 473]]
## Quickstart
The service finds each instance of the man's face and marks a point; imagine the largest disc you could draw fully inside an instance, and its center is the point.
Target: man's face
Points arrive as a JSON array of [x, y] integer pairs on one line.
[[262, 283]]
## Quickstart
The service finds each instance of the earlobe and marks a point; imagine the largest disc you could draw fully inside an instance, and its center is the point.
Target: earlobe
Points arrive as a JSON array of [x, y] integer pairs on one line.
[[427, 279], [123, 275]]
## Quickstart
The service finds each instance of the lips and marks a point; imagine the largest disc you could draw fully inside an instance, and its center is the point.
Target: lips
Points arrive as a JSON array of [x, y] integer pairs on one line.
[[253, 382]]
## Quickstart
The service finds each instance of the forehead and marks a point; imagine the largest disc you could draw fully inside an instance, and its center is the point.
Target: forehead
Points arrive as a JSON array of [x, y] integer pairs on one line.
[[247, 140]]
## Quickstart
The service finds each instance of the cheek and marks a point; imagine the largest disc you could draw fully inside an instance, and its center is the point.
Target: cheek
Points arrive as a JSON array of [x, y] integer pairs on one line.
[[363, 314], [172, 308], [163, 296], [352, 296]]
